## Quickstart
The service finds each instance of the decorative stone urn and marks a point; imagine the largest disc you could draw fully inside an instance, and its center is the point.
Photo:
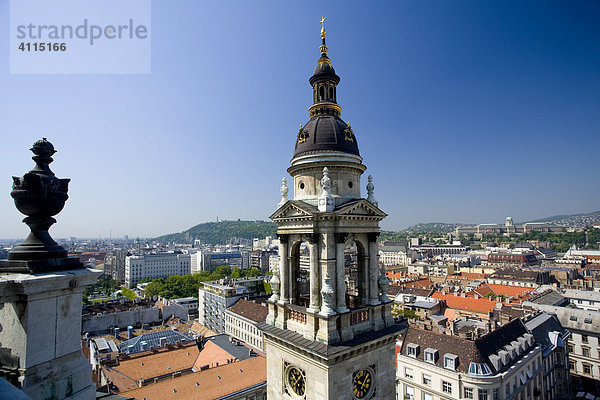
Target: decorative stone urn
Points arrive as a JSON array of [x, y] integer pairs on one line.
[[383, 284], [40, 195], [327, 294], [275, 285]]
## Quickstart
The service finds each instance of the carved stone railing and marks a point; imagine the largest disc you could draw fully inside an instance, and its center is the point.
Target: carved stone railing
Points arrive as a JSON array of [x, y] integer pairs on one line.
[[297, 316], [359, 316]]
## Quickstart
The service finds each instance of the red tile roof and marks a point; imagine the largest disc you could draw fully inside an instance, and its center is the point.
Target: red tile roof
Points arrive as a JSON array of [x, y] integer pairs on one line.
[[480, 305], [210, 384]]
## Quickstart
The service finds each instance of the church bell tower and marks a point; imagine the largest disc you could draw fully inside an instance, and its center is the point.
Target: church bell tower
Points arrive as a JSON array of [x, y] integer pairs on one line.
[[329, 333]]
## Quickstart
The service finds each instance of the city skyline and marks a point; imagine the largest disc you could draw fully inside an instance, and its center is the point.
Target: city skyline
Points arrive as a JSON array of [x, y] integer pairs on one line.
[[463, 113]]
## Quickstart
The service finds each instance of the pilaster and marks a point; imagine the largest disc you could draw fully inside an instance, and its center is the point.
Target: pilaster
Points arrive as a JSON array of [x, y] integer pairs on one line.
[[41, 332]]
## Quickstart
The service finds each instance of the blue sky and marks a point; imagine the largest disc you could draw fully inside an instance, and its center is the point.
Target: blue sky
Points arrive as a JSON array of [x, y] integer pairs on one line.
[[464, 112]]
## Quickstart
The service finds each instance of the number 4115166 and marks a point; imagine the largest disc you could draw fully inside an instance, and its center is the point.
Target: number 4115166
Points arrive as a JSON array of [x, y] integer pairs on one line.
[[42, 46]]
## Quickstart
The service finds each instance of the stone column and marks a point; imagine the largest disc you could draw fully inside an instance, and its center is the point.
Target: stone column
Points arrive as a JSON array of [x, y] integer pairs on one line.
[[373, 269], [340, 272], [315, 276], [363, 278], [40, 317], [284, 269]]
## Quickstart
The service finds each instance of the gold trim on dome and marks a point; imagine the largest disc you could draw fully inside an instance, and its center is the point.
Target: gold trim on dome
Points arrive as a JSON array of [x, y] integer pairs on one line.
[[302, 135], [322, 108], [349, 133]]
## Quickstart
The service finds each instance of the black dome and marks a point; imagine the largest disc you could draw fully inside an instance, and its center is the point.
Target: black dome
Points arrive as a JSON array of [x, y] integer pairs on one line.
[[326, 133], [324, 72]]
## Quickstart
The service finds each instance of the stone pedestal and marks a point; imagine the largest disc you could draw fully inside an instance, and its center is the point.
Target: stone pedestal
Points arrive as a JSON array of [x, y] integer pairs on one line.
[[40, 333]]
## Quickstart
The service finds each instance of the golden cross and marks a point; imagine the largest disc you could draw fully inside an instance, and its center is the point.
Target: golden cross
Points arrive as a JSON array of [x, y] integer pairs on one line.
[[323, 18]]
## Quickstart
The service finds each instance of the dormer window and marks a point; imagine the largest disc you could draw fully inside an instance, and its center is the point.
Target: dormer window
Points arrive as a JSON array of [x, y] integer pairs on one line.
[[431, 355], [412, 350], [479, 369], [450, 361]]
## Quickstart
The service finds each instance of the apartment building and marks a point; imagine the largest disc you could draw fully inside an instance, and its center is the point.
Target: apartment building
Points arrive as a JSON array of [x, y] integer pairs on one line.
[[506, 363], [161, 265], [215, 297], [584, 343], [242, 320]]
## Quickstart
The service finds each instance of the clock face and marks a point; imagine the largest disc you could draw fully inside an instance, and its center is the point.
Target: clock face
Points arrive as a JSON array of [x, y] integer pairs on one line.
[[362, 383], [296, 381]]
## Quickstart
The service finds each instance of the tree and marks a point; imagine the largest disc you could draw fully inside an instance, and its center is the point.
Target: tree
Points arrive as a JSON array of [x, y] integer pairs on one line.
[[154, 288], [250, 272], [130, 294], [236, 273]]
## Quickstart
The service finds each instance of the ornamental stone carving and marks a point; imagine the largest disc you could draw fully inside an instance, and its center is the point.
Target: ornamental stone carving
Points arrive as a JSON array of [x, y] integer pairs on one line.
[[370, 190], [383, 284], [275, 282], [327, 294], [284, 193]]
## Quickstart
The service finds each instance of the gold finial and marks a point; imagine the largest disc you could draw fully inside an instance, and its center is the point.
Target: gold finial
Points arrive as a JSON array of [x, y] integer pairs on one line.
[[323, 33]]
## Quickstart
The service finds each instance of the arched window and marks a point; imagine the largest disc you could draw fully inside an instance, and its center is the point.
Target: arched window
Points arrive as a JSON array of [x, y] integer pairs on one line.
[[300, 267], [321, 93]]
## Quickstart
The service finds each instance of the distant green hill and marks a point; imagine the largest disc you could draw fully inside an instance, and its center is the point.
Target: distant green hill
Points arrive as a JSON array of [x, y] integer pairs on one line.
[[572, 219], [222, 232], [432, 227]]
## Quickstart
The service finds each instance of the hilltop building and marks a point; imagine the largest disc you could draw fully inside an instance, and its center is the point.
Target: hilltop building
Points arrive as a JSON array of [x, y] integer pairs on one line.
[[509, 228]]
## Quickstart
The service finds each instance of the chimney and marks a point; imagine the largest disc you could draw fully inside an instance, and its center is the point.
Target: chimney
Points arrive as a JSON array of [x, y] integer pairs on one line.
[[117, 331], [130, 332]]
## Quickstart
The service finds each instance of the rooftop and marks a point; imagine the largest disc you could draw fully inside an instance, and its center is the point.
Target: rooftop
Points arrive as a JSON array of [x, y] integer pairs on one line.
[[209, 384], [481, 305], [249, 309], [126, 374], [153, 339]]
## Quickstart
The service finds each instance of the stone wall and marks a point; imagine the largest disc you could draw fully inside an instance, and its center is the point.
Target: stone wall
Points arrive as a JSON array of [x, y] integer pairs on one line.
[[136, 317]]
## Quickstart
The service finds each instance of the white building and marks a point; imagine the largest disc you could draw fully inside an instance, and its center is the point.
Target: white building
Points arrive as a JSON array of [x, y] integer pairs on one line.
[[241, 322], [504, 364], [584, 342], [215, 297], [583, 299], [161, 265], [190, 303], [394, 254]]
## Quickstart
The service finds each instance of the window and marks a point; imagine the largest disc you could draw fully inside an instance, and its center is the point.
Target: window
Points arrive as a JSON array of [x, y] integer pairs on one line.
[[446, 387], [483, 394], [468, 393], [410, 393], [408, 373], [427, 396], [573, 318], [570, 348], [430, 356], [587, 369], [427, 380], [584, 338], [585, 351], [412, 349], [450, 361], [587, 320], [496, 394], [507, 389], [571, 365]]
